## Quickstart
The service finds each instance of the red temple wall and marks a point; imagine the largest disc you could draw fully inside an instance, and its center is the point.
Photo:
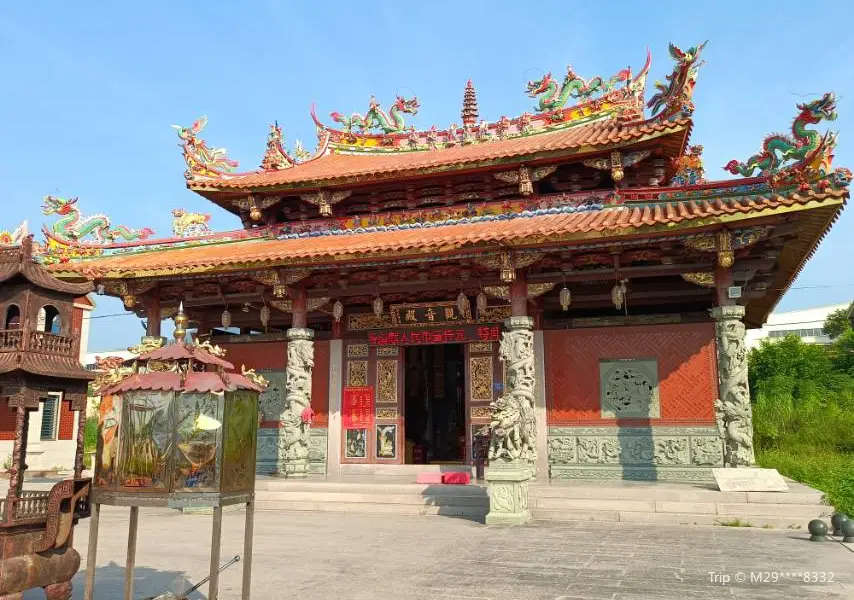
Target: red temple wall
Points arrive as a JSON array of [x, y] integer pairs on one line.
[[7, 421], [67, 417], [274, 356], [686, 370]]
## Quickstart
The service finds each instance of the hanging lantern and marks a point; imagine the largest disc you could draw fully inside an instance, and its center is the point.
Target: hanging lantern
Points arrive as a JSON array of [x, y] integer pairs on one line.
[[481, 304], [129, 301], [378, 306], [181, 322], [325, 209], [337, 311], [226, 319], [265, 315], [280, 290], [507, 273], [565, 297], [463, 304], [617, 296], [254, 211]]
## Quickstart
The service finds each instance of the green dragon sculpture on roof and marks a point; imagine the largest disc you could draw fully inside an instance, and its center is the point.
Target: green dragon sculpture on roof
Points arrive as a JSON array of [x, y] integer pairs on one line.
[[376, 117], [779, 150]]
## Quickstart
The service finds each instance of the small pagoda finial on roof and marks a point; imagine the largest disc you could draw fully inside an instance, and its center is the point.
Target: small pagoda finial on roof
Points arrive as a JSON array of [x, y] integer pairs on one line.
[[469, 113]]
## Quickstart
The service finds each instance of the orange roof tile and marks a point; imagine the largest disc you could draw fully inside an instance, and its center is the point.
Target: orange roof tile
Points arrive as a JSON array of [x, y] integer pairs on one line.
[[375, 165], [608, 222]]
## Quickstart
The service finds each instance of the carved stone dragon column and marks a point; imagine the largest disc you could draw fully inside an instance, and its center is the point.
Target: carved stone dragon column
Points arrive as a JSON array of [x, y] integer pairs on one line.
[[732, 409], [512, 448], [296, 417]]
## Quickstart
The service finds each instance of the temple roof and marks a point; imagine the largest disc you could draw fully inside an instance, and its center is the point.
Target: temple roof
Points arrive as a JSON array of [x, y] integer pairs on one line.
[[331, 168], [675, 211]]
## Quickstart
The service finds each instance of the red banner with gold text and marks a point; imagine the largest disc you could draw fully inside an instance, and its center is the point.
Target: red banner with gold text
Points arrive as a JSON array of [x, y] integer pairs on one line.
[[358, 409]]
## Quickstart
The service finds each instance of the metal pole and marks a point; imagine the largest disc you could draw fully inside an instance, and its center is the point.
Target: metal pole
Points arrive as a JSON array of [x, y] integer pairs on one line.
[[91, 555], [216, 539], [131, 560], [247, 548]]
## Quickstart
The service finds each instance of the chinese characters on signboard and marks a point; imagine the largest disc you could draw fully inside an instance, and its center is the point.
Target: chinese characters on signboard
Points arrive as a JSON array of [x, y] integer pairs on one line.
[[358, 409], [435, 313], [491, 333]]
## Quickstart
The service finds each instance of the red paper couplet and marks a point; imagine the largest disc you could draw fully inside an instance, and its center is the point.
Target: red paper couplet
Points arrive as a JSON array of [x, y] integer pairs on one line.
[[358, 409]]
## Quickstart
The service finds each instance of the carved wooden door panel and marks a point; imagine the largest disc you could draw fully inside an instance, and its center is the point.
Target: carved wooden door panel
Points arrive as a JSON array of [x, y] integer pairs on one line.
[[484, 382], [388, 435], [356, 443]]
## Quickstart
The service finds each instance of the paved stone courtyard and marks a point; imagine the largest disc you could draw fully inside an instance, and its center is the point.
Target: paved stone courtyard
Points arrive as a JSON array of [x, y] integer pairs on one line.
[[313, 556]]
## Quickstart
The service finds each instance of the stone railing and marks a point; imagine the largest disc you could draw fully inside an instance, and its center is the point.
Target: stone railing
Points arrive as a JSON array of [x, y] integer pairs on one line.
[[11, 340], [31, 505], [50, 343]]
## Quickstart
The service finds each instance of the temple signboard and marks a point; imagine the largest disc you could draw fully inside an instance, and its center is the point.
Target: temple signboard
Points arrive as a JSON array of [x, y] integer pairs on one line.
[[358, 407], [429, 313], [441, 335]]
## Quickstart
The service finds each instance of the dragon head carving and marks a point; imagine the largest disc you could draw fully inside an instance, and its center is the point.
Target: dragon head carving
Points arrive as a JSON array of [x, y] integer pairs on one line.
[[409, 106], [823, 109], [539, 86], [57, 205]]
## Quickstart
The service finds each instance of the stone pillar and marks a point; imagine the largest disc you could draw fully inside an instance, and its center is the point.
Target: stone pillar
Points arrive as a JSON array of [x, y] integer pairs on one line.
[[733, 412], [296, 416], [540, 409], [512, 448], [333, 438]]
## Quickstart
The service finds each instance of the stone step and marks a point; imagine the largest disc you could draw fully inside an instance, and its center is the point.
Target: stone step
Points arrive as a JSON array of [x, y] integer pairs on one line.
[[672, 518], [727, 509], [373, 508], [481, 499], [374, 488]]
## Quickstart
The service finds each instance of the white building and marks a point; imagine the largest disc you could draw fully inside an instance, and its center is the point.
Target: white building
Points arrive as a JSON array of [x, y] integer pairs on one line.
[[806, 324]]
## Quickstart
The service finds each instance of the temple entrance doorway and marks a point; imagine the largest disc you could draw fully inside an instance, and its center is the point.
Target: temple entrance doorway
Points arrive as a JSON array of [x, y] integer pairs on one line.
[[435, 401]]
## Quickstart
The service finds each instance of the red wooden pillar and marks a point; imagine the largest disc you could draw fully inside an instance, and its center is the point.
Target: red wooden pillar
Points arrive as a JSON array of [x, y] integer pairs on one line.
[[152, 309], [723, 280], [299, 308], [519, 296]]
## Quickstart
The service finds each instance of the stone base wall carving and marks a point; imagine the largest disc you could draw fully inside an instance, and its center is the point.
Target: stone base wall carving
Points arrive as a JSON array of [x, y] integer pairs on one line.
[[268, 444], [657, 453], [508, 492]]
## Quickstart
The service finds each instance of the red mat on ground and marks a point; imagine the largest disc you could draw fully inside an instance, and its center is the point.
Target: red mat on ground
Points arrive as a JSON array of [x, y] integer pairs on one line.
[[456, 478]]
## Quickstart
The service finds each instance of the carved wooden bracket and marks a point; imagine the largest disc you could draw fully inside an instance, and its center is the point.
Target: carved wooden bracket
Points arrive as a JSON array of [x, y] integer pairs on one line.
[[617, 162], [525, 177], [324, 200]]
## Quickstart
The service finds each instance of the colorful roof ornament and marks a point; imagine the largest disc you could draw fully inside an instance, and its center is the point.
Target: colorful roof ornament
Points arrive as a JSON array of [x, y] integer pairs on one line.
[[14, 237], [377, 118], [556, 95], [276, 157], [673, 100], [689, 167], [72, 227], [803, 146], [190, 224], [202, 162], [469, 113]]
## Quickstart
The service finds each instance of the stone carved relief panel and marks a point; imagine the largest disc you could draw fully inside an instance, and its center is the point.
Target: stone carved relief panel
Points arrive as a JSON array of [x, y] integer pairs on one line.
[[629, 388], [357, 373], [670, 453], [481, 374], [387, 381], [272, 399]]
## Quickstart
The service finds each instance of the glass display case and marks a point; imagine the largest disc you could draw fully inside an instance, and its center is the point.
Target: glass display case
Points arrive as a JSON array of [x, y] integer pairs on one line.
[[178, 430]]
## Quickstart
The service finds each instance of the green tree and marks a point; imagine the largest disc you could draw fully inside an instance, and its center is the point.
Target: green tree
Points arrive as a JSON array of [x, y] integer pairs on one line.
[[838, 322]]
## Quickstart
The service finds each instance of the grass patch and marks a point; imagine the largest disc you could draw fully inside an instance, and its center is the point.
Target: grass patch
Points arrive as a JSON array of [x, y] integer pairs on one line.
[[737, 522], [827, 470], [90, 434]]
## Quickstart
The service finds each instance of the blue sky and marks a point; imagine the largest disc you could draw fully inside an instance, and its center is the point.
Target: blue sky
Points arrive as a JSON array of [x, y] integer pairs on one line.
[[91, 89]]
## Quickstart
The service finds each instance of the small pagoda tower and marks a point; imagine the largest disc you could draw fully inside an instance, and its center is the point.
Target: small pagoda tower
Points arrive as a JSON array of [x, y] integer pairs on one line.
[[469, 113], [39, 358]]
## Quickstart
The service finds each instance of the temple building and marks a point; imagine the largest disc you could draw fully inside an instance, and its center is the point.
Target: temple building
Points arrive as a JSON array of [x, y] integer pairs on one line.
[[565, 287]]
